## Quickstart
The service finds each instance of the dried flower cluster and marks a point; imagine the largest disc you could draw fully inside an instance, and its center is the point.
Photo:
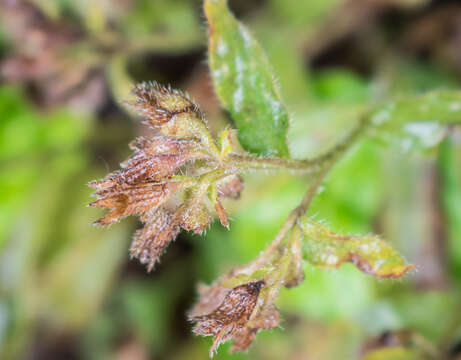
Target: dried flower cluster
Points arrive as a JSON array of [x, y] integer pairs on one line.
[[234, 318], [165, 182], [241, 303]]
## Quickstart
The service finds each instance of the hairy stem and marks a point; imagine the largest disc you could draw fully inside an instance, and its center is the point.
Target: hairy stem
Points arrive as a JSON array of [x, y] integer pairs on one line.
[[247, 162], [315, 165], [324, 163]]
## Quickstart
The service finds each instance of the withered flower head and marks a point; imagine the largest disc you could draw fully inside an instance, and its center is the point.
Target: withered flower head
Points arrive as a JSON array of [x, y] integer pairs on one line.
[[229, 319], [150, 241], [159, 105], [234, 318], [162, 182]]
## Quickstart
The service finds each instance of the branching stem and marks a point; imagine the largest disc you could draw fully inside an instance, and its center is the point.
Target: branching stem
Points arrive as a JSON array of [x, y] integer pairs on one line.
[[315, 165], [323, 163]]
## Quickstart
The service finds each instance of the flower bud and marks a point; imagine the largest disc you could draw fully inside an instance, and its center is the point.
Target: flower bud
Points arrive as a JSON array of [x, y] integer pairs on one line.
[[195, 218], [230, 187], [158, 104]]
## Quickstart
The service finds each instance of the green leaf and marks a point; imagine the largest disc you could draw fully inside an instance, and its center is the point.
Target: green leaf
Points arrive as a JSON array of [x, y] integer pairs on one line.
[[370, 254], [161, 24], [245, 83], [436, 106], [419, 119], [340, 86]]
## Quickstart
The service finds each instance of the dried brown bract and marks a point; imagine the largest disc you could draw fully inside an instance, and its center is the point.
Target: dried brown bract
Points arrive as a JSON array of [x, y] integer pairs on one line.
[[150, 241], [230, 319], [162, 182], [231, 187]]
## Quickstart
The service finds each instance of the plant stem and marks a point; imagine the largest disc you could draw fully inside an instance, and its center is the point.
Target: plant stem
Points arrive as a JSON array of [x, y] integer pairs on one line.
[[247, 162], [291, 219], [314, 165], [324, 163]]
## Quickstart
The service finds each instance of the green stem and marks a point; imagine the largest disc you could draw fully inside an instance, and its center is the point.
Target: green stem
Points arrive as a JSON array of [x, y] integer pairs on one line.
[[315, 165], [246, 162], [325, 163]]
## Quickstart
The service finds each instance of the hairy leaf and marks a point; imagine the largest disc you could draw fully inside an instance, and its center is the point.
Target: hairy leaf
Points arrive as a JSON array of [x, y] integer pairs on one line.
[[419, 119], [369, 253], [245, 83]]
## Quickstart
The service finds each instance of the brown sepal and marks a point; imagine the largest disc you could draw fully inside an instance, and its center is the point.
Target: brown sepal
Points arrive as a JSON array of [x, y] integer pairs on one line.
[[229, 320], [230, 187], [221, 214], [125, 199], [196, 217], [150, 241]]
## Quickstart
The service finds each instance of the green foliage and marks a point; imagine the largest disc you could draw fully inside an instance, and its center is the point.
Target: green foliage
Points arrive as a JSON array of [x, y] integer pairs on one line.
[[340, 86], [27, 140], [419, 119], [370, 254], [245, 84], [41, 223], [169, 23], [442, 107]]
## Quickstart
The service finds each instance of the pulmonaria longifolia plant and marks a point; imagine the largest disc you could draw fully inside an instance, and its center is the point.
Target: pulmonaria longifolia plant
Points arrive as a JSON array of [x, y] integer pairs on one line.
[[176, 179]]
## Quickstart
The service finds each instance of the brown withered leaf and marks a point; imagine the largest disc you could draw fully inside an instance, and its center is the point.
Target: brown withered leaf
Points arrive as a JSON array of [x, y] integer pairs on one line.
[[229, 320]]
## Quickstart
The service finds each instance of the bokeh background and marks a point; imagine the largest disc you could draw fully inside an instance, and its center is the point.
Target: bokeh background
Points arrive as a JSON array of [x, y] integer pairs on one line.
[[69, 291]]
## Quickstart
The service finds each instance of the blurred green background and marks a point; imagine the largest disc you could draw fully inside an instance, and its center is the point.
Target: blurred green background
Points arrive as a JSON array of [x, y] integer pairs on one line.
[[68, 289]]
